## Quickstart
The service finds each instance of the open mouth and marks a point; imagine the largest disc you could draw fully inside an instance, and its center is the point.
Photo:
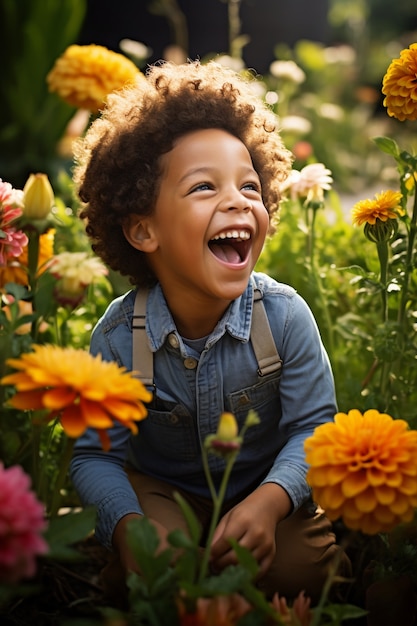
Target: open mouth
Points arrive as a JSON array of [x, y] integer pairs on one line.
[[231, 246]]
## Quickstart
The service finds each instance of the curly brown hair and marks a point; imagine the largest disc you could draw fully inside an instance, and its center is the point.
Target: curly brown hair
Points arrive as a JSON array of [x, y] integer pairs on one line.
[[118, 170]]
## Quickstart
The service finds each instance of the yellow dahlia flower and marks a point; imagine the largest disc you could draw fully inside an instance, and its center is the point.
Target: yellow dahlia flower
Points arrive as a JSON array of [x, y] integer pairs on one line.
[[399, 85], [363, 469], [81, 389], [84, 76], [386, 205]]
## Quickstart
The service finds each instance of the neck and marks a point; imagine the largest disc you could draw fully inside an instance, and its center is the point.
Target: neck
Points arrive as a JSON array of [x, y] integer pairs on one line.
[[196, 319]]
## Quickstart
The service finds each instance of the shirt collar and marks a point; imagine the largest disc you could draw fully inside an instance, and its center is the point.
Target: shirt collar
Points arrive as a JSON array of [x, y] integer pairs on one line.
[[236, 319]]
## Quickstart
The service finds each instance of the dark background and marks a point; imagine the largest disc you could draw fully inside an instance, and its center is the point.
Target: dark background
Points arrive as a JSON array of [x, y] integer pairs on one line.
[[266, 22]]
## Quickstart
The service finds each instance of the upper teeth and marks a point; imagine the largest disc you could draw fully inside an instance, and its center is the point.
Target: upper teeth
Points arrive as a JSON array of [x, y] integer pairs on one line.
[[233, 234]]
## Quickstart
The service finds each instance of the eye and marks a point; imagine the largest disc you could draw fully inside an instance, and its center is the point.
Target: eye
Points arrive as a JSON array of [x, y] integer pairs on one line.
[[252, 186], [201, 187]]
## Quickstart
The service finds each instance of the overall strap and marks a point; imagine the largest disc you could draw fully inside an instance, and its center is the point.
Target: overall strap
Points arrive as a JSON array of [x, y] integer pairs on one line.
[[261, 337], [142, 355]]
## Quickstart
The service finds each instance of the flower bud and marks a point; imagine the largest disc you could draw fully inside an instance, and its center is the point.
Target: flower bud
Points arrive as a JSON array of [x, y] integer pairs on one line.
[[226, 441], [38, 197], [252, 419], [227, 428], [381, 231]]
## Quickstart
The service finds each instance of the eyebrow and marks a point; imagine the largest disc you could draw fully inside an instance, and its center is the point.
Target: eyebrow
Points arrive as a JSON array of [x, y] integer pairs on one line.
[[209, 170]]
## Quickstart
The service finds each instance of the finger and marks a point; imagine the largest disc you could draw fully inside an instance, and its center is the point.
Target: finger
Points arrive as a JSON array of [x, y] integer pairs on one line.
[[226, 559], [219, 531]]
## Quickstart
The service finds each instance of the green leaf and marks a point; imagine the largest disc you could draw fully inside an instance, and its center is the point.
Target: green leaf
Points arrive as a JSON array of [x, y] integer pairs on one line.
[[143, 540], [342, 612], [17, 291], [245, 558], [232, 579], [178, 539], [357, 270], [65, 530], [45, 302], [387, 145], [193, 524]]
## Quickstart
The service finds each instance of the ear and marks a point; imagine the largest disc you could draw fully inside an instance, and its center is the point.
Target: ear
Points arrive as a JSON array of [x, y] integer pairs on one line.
[[139, 232]]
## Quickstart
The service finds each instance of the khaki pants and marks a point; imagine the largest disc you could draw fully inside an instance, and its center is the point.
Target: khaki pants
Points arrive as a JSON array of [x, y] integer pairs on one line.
[[306, 546]]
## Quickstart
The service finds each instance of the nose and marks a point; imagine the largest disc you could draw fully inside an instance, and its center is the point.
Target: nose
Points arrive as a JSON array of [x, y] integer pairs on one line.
[[235, 200]]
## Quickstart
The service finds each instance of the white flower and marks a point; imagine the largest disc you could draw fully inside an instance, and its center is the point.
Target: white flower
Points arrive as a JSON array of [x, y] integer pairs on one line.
[[340, 54], [135, 49], [74, 272], [288, 70], [296, 124], [233, 63], [331, 111], [271, 97], [309, 183]]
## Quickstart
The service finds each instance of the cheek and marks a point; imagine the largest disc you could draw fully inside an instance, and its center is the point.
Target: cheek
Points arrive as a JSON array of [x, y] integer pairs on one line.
[[264, 222]]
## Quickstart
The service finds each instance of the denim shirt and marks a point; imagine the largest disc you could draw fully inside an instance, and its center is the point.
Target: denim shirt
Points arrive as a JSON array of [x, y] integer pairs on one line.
[[193, 389]]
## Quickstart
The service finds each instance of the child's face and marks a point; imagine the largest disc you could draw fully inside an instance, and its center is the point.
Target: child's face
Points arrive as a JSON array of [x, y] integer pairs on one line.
[[209, 223]]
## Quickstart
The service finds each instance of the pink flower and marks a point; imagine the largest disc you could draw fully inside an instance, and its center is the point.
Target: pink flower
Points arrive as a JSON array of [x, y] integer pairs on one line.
[[21, 524], [6, 191], [12, 242], [9, 198], [310, 182], [8, 215]]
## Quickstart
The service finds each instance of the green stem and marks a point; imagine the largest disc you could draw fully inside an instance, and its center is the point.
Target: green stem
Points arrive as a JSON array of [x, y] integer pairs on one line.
[[207, 472], [317, 613], [233, 7], [62, 474], [328, 323], [382, 247], [36, 466], [33, 260], [311, 236], [217, 507], [409, 261]]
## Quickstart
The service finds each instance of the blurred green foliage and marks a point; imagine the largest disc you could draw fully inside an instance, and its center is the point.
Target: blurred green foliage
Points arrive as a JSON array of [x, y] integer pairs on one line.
[[33, 33]]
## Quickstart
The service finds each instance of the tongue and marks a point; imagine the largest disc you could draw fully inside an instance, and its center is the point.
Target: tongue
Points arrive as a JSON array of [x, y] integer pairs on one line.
[[226, 253]]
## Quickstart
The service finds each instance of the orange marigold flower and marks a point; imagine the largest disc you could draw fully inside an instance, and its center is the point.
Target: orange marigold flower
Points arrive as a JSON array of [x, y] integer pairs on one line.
[[363, 469], [385, 206], [399, 85], [80, 389], [84, 76]]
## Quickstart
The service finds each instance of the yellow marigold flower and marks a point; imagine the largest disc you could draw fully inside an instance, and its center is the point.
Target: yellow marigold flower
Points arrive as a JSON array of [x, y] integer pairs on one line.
[[386, 205], [400, 87], [80, 389], [84, 76], [363, 469]]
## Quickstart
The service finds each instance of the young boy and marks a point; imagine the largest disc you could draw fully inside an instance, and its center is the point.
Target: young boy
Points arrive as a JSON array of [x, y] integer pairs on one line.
[[180, 179]]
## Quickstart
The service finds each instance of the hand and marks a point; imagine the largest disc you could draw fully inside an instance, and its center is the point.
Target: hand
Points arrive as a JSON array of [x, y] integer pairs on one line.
[[252, 523], [120, 544]]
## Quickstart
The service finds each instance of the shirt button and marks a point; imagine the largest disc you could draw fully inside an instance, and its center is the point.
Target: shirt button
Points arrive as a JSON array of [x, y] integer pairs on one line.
[[173, 340], [190, 363]]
